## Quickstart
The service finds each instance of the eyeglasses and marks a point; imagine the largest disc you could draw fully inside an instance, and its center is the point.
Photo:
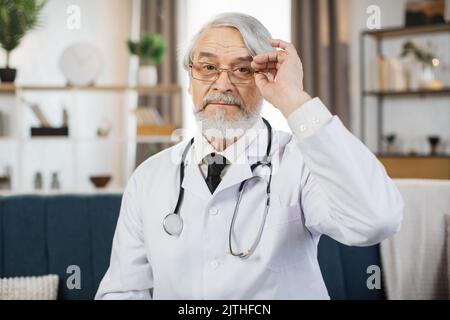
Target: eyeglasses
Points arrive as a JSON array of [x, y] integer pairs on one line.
[[210, 73]]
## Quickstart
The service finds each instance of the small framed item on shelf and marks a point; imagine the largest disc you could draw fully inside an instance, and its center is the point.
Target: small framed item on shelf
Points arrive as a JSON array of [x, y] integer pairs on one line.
[[50, 132], [5, 183], [5, 179], [46, 129]]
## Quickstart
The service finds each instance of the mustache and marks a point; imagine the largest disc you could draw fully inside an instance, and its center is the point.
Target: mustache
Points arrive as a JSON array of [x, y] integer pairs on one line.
[[226, 98]]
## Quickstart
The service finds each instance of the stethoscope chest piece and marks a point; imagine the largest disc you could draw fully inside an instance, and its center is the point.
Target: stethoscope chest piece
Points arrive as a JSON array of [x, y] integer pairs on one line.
[[173, 224]]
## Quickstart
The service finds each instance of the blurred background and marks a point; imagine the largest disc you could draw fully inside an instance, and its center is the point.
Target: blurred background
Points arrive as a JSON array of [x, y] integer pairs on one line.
[[84, 103], [90, 89]]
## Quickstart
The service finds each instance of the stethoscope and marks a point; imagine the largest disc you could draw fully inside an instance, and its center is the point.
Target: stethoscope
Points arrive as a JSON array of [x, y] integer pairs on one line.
[[173, 223]]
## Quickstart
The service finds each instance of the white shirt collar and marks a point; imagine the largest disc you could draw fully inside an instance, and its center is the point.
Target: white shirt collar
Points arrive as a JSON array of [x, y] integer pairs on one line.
[[202, 147]]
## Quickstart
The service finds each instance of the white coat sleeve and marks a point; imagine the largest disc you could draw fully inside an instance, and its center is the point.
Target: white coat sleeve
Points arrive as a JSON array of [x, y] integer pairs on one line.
[[346, 193], [130, 274]]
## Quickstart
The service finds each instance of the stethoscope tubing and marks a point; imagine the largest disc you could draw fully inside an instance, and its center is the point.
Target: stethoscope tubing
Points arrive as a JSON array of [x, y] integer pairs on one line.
[[265, 162]]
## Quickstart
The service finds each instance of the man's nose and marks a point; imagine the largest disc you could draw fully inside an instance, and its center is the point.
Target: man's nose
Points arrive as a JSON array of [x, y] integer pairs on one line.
[[223, 83]]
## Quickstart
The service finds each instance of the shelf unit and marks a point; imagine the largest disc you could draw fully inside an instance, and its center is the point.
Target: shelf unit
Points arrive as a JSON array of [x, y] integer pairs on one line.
[[122, 143], [380, 36], [408, 93], [159, 89], [395, 162], [408, 31]]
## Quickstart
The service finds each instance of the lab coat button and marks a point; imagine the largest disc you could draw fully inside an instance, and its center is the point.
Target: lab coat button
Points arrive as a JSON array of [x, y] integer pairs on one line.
[[314, 120], [213, 211], [215, 264]]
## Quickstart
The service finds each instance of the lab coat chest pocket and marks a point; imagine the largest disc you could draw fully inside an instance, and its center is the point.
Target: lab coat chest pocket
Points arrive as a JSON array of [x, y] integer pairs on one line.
[[285, 235]]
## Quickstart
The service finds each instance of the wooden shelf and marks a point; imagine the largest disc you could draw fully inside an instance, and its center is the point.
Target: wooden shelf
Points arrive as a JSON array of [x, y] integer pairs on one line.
[[79, 140], [155, 139], [416, 167], [7, 88], [159, 89], [408, 156], [87, 140], [408, 31], [406, 93]]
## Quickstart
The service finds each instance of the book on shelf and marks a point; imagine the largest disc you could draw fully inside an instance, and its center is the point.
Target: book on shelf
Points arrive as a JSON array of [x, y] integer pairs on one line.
[[148, 115], [151, 123]]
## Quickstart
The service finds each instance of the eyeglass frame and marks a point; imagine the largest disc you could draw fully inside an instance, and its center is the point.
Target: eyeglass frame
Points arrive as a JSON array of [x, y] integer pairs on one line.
[[219, 72]]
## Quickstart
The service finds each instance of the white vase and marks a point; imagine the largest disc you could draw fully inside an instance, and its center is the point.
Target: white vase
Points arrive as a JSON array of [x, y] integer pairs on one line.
[[427, 74], [428, 78], [147, 76]]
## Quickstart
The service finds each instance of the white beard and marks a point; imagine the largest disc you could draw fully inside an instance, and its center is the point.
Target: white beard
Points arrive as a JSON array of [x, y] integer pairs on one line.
[[218, 127]]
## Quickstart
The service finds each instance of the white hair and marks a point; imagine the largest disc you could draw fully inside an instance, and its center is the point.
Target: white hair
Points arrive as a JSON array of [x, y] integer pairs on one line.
[[255, 35]]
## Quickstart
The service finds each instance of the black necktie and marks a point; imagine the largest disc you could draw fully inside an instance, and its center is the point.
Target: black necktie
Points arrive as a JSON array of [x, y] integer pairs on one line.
[[216, 164]]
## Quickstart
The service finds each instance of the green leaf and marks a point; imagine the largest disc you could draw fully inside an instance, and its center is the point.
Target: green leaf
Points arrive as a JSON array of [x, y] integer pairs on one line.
[[420, 54], [17, 18], [150, 48]]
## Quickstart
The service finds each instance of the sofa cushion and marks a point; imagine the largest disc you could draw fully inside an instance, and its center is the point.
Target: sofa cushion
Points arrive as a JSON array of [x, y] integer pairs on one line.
[[345, 268], [43, 235], [24, 231], [29, 288]]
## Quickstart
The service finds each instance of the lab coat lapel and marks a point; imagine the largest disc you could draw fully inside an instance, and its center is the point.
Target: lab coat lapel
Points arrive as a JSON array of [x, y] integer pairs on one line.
[[241, 169], [236, 173], [194, 181]]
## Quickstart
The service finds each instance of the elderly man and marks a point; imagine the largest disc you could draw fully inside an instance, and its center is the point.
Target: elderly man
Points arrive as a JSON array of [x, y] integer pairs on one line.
[[237, 212]]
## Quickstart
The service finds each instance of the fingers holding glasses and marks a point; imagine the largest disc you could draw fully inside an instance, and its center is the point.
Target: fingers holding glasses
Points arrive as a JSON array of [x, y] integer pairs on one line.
[[274, 59], [280, 76], [288, 47], [269, 60], [264, 66]]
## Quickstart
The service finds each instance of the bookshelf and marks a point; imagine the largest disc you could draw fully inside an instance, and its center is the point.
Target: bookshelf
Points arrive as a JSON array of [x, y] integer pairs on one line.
[[400, 165], [80, 150]]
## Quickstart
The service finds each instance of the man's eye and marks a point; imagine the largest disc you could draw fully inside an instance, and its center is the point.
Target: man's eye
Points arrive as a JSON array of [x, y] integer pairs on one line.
[[209, 67], [244, 70]]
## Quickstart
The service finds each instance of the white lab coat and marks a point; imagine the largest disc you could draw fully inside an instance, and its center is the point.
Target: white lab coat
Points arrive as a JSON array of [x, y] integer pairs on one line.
[[327, 183]]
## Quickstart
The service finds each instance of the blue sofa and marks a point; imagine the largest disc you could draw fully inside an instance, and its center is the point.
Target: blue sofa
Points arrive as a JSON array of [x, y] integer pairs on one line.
[[44, 235]]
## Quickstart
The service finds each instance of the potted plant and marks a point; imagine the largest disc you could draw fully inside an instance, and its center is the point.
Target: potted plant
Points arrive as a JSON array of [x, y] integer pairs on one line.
[[150, 49], [390, 139], [428, 60], [17, 17], [434, 144]]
